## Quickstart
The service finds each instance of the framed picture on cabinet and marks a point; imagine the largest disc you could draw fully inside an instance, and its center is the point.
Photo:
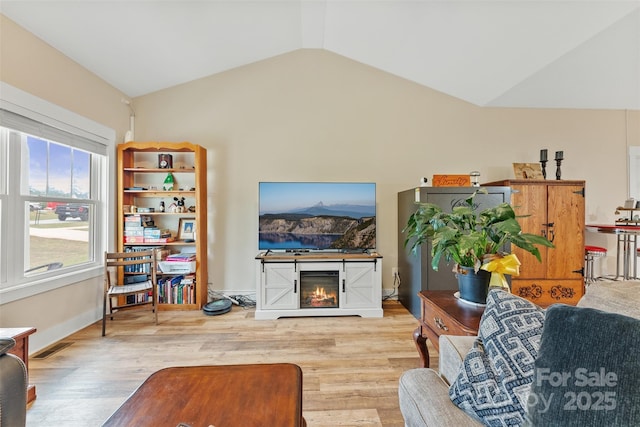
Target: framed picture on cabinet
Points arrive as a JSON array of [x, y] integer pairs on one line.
[[527, 171], [187, 230]]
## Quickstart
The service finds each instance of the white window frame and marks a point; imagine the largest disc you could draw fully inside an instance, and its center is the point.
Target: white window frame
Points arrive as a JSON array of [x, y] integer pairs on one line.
[[634, 172], [15, 285], [4, 226]]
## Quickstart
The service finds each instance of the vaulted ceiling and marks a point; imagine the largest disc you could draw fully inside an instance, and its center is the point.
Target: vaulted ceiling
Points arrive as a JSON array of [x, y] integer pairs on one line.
[[515, 53]]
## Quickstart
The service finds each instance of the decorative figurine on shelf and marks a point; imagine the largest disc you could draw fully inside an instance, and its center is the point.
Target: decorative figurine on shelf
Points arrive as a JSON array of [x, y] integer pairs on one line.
[[180, 205], [168, 182], [161, 208], [543, 162]]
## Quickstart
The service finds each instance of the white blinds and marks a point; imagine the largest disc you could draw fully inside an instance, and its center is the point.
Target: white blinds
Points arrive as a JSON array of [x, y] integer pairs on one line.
[[70, 136]]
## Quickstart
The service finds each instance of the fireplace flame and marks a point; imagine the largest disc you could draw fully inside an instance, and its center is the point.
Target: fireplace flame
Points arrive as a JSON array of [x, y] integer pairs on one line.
[[321, 298], [320, 293]]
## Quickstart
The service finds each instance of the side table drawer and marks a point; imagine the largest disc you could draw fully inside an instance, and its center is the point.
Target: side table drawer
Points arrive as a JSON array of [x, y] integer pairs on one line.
[[443, 314], [440, 322]]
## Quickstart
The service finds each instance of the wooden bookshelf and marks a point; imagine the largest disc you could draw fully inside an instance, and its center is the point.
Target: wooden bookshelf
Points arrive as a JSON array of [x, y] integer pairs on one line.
[[140, 191]]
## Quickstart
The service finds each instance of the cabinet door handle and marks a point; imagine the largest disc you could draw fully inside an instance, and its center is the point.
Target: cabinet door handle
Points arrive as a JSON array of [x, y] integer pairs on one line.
[[551, 235], [344, 289], [440, 324], [295, 286]]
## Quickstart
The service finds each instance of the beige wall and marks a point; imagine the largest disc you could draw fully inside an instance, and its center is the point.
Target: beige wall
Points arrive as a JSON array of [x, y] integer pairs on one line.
[[313, 115], [34, 67]]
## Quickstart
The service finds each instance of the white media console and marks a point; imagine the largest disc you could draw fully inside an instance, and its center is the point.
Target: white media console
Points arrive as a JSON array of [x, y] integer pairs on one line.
[[318, 284]]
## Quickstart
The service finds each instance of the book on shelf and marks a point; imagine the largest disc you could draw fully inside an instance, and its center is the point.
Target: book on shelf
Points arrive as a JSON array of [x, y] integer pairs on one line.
[[159, 240], [140, 268], [136, 220], [176, 290], [134, 232], [177, 267], [132, 221], [137, 278], [155, 232], [138, 230], [166, 288], [181, 257], [139, 298]]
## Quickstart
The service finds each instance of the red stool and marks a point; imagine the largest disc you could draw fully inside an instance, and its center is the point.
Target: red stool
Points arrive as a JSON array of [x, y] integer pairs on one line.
[[590, 254]]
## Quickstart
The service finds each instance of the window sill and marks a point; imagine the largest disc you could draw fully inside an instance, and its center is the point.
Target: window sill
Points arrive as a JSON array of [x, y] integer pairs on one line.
[[35, 287]]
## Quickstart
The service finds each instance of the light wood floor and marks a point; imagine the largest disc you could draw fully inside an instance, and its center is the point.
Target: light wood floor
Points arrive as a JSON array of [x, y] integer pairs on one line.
[[350, 365]]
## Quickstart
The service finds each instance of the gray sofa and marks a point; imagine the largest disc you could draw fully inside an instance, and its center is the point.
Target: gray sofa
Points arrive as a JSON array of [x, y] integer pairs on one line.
[[423, 392], [13, 386]]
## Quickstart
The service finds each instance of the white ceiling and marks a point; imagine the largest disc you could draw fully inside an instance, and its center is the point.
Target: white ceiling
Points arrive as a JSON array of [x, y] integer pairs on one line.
[[517, 53]]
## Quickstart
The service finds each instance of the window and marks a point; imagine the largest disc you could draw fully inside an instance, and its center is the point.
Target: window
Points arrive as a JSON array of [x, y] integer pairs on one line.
[[56, 180], [53, 197]]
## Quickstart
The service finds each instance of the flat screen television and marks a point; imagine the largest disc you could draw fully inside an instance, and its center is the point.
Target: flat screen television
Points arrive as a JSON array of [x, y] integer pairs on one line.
[[339, 216]]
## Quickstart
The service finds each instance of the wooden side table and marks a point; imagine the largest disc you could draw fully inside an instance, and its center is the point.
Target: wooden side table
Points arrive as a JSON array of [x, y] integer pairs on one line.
[[21, 349], [444, 314]]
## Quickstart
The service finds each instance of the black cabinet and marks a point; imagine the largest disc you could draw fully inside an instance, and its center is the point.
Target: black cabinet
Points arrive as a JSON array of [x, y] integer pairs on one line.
[[415, 269]]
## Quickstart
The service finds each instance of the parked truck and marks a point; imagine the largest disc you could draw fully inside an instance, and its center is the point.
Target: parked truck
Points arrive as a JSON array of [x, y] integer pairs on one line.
[[72, 210]]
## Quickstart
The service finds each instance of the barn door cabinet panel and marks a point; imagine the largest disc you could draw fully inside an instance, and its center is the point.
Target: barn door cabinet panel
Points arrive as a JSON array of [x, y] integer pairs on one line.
[[555, 209]]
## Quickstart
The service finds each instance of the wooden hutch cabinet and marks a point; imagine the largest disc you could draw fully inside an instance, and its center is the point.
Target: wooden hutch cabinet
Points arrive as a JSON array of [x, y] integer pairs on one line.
[[142, 169], [555, 209]]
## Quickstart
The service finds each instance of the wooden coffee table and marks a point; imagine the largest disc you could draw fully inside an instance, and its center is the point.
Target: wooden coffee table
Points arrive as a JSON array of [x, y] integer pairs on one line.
[[220, 396], [444, 314]]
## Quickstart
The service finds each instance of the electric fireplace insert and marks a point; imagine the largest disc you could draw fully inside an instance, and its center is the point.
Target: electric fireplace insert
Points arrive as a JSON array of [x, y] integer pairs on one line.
[[319, 289]]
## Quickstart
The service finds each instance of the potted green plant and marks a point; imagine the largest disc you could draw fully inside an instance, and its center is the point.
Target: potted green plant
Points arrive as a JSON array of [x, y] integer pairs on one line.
[[470, 238]]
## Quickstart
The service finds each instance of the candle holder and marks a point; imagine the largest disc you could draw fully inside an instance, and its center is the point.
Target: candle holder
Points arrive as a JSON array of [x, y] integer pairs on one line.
[[558, 171], [543, 162], [559, 158]]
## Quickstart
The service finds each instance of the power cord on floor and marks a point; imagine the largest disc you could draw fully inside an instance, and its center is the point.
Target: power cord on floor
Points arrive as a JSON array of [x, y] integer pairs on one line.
[[244, 301], [396, 285]]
